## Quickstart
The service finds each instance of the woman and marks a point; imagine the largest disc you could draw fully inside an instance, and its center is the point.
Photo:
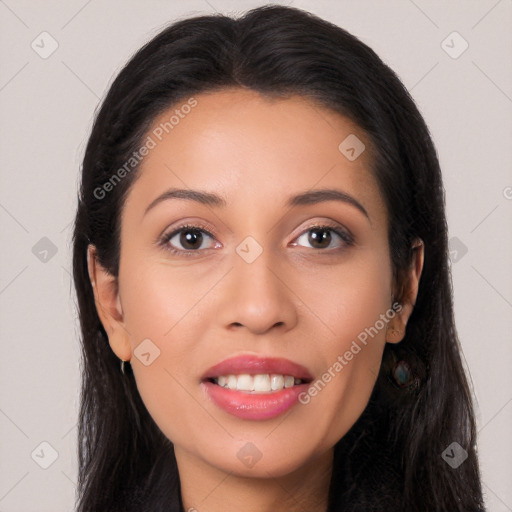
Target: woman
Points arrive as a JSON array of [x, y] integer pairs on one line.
[[260, 259]]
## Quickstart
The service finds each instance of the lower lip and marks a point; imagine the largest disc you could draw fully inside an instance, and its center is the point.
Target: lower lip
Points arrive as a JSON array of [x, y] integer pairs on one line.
[[254, 406]]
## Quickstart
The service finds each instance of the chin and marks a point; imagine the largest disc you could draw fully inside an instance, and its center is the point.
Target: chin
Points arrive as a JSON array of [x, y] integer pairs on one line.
[[245, 459]]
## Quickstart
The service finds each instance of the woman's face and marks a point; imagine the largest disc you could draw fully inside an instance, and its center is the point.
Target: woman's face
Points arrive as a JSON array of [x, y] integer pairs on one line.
[[254, 281]]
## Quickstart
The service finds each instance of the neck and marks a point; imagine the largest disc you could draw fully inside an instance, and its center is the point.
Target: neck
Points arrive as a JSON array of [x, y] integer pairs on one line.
[[208, 489]]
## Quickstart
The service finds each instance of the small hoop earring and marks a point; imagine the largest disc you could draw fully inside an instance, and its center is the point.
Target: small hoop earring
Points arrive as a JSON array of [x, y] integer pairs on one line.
[[122, 366]]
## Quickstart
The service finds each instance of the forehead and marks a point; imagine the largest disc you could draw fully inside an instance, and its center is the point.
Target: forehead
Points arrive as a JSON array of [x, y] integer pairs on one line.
[[253, 150]]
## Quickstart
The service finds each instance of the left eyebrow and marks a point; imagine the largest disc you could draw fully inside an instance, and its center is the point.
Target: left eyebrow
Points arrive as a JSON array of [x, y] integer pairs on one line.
[[321, 195]]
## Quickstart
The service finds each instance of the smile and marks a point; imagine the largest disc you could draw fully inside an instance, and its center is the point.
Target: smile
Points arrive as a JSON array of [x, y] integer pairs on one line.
[[255, 388]]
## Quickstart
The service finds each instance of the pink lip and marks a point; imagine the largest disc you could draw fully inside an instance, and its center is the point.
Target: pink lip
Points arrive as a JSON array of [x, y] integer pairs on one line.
[[255, 406], [250, 406]]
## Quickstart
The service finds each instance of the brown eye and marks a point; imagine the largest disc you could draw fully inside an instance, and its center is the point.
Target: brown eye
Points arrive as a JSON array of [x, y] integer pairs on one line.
[[190, 238], [186, 240], [321, 237]]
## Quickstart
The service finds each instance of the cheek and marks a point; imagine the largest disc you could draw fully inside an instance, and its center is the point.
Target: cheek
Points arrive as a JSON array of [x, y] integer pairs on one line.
[[162, 314], [355, 307], [346, 300], [160, 301]]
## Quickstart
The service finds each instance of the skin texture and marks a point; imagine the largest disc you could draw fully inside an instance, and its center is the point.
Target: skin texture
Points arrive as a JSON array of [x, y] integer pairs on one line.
[[298, 301]]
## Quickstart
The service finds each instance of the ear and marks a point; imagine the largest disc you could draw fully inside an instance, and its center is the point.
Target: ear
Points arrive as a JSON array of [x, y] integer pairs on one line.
[[108, 305], [396, 326]]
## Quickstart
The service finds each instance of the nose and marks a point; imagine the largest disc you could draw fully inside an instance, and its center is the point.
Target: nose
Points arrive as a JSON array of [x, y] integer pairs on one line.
[[257, 296]]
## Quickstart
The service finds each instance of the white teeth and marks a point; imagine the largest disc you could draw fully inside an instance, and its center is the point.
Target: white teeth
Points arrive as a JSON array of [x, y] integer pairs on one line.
[[277, 382], [231, 382], [245, 382], [288, 381], [261, 383]]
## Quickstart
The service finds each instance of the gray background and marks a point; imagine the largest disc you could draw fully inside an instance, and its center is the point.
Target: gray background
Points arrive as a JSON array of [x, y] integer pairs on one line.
[[47, 106]]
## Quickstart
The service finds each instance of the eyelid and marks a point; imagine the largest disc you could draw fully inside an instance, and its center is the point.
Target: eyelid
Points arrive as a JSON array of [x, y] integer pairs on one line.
[[331, 224], [190, 224]]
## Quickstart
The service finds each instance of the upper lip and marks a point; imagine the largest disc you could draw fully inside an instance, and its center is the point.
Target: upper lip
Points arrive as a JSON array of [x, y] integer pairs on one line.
[[255, 365]]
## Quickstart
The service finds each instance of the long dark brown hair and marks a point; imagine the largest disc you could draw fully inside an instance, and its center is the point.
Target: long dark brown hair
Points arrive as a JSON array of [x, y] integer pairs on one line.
[[392, 457]]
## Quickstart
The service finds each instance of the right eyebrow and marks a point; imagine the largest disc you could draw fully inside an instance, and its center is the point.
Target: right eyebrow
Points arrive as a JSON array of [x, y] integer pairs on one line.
[[206, 198]]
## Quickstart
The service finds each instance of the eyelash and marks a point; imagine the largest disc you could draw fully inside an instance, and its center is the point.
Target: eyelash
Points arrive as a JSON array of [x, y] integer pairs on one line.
[[164, 240]]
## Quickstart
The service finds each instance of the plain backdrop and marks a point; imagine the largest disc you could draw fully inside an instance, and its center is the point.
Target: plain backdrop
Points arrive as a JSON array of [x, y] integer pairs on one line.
[[47, 106]]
